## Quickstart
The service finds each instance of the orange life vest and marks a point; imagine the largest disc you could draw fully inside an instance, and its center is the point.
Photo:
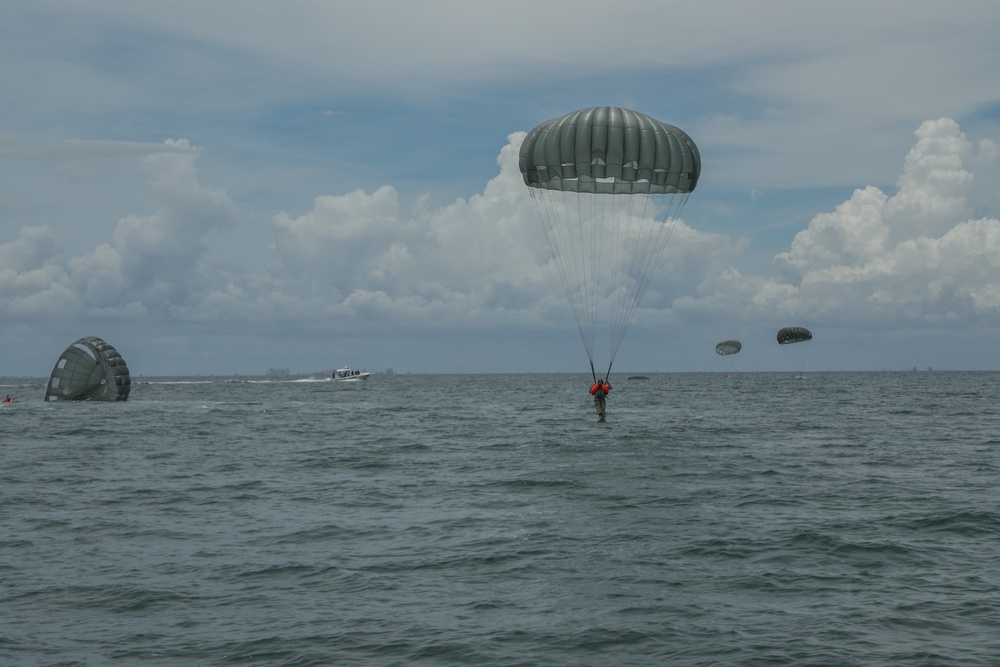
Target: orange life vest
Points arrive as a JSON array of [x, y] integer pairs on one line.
[[599, 385]]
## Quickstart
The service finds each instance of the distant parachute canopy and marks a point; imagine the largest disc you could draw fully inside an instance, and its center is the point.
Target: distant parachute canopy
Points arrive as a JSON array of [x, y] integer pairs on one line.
[[727, 347], [609, 184], [89, 370], [790, 335]]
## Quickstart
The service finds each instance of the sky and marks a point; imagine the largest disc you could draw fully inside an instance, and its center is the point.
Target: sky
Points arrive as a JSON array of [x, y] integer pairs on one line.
[[230, 186]]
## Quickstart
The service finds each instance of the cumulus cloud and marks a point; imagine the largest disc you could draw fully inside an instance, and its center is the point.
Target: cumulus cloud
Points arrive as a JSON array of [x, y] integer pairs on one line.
[[914, 256], [151, 264], [470, 263], [361, 262], [34, 283]]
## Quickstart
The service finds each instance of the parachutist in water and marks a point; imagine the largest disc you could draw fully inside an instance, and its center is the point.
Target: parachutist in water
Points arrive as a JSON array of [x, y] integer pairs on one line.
[[600, 390]]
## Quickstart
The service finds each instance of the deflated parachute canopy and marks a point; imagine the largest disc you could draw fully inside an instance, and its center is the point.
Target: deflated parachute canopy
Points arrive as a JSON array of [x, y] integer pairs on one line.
[[790, 335], [89, 370], [727, 347]]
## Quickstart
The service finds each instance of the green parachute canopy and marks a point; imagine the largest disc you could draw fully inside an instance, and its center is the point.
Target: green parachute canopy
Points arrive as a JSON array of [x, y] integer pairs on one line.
[[610, 150], [727, 347], [790, 335], [609, 184], [89, 370]]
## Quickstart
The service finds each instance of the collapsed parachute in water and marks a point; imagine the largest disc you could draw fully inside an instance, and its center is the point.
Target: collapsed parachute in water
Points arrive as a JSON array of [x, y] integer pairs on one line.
[[89, 370], [609, 184], [727, 347], [790, 335]]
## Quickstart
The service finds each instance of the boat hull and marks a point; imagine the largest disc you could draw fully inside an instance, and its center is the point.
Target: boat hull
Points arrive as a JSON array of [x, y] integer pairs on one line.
[[348, 375], [356, 378]]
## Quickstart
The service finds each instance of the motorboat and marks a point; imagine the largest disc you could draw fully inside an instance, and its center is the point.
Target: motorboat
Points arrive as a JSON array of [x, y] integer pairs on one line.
[[347, 374]]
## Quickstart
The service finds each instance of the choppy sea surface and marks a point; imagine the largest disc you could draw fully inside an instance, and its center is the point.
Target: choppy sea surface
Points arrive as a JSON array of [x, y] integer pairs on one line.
[[749, 519]]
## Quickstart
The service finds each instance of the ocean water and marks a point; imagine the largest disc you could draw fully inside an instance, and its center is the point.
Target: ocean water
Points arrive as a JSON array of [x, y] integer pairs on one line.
[[755, 519]]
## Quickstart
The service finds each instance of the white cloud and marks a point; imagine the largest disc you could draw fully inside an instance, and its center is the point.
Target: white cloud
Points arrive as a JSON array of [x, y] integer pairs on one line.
[[912, 257], [355, 258], [342, 146], [470, 263], [357, 263], [153, 262], [89, 149], [34, 285], [777, 79], [34, 246]]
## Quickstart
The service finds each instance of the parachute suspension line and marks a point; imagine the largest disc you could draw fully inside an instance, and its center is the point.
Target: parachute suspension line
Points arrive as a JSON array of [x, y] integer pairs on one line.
[[556, 211], [629, 228], [613, 223], [662, 221], [647, 222], [590, 261], [583, 277], [606, 249], [603, 268]]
